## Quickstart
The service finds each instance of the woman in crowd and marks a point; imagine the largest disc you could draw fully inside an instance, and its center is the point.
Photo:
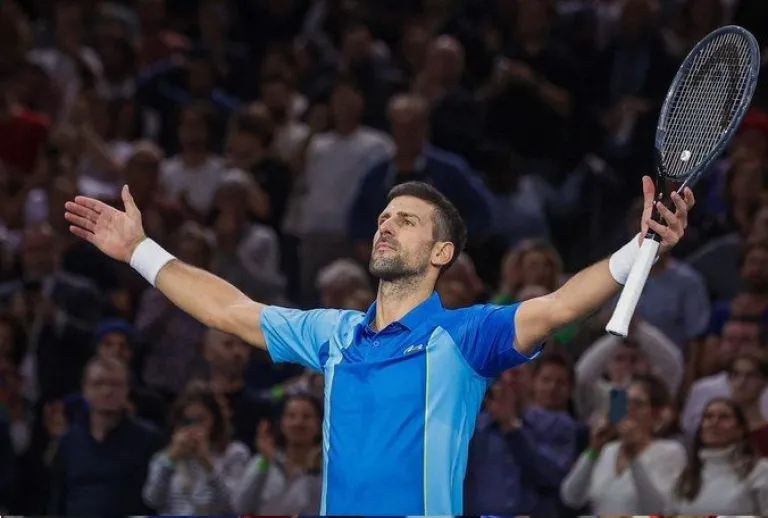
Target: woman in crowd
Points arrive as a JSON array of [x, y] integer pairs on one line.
[[630, 474], [748, 378], [284, 477], [195, 474], [724, 474]]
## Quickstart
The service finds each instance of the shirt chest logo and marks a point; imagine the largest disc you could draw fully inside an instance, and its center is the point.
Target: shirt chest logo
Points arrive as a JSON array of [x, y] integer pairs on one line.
[[413, 349]]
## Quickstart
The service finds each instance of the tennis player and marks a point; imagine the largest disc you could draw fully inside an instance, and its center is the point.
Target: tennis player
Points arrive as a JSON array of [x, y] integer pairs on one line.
[[404, 381]]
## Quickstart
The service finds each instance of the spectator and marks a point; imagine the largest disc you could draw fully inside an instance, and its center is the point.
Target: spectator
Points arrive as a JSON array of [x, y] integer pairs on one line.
[[174, 339], [612, 363], [191, 177], [197, 472], [738, 335], [748, 377], [415, 159], [460, 286], [116, 339], [92, 474], [634, 473], [339, 157], [227, 356], [339, 280], [284, 477], [510, 470], [724, 473]]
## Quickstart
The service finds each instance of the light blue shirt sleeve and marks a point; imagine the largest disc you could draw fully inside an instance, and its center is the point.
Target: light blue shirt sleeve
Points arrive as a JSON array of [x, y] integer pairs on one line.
[[296, 336], [486, 337]]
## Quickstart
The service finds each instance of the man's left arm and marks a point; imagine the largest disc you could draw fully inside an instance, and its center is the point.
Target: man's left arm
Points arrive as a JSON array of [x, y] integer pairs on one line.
[[592, 287]]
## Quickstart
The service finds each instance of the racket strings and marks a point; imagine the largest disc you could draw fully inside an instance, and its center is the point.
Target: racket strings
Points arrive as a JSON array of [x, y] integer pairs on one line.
[[705, 103]]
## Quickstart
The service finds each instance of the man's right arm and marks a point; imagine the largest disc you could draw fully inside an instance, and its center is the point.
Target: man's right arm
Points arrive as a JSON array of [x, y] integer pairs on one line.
[[212, 301]]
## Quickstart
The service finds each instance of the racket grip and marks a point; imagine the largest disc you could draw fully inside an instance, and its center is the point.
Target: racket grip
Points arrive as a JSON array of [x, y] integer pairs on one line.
[[622, 314]]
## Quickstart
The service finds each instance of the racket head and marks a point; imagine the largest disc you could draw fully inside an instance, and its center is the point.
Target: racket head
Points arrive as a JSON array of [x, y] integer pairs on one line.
[[705, 104]]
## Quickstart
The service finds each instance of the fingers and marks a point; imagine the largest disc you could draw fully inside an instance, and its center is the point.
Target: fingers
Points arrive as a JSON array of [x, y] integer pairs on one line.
[[95, 205], [130, 206], [649, 193], [81, 233], [82, 210], [80, 221]]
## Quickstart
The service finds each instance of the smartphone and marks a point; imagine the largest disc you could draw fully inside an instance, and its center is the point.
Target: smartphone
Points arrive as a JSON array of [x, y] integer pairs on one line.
[[617, 408]]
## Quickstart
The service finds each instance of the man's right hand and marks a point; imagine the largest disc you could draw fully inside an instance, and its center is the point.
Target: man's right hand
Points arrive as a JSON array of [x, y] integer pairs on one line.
[[114, 232]]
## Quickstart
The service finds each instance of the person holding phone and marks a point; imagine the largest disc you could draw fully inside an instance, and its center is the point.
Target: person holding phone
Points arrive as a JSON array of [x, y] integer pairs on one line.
[[195, 474], [626, 469]]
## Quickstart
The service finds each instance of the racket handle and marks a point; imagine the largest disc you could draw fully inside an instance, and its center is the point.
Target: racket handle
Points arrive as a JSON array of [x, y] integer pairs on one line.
[[622, 314]]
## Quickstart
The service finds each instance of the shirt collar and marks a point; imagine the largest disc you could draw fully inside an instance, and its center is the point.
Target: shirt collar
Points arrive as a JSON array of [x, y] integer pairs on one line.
[[414, 317]]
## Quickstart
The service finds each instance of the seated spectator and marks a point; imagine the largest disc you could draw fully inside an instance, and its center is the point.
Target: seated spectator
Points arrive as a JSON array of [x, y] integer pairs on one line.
[[532, 262], [724, 474], [227, 356], [633, 473], [738, 334], [748, 378], [611, 362], [510, 469], [117, 339], [16, 409], [336, 281], [59, 310], [173, 339], [284, 477], [101, 462], [416, 159], [195, 474], [459, 286]]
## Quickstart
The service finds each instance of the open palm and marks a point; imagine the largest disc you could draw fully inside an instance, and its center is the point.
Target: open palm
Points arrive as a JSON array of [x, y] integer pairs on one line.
[[114, 232]]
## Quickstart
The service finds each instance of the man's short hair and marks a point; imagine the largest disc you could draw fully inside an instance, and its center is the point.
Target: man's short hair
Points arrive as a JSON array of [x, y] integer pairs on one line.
[[448, 224], [255, 120]]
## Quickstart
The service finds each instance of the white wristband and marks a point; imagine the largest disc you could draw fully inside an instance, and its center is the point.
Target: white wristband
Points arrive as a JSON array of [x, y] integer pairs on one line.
[[149, 258], [622, 260]]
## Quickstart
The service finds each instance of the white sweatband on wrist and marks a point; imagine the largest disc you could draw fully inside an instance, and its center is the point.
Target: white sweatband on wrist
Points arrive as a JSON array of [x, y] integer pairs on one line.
[[149, 258], [622, 260]]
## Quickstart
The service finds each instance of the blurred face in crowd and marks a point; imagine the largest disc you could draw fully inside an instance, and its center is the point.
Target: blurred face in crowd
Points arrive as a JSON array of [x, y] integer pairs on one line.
[[746, 380], [622, 366], [276, 96], [552, 387], [38, 251], [244, 149], [346, 105], [359, 300], [754, 271], [142, 171], [749, 144], [409, 124], [738, 335], [300, 422], [404, 245], [227, 354], [445, 61], [759, 231], [639, 406], [719, 426], [747, 181], [413, 45], [193, 250], [105, 387], [197, 417], [537, 268], [116, 345], [193, 131], [356, 45], [201, 78]]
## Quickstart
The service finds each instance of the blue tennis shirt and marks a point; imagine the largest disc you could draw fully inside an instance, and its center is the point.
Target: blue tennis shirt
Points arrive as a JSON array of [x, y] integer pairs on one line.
[[400, 404]]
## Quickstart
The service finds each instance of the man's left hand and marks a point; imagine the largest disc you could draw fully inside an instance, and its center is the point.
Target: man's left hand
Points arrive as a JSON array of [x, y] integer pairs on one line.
[[673, 226]]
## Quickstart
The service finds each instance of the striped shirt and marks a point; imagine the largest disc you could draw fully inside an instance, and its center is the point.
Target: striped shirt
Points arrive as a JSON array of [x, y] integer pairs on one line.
[[186, 488]]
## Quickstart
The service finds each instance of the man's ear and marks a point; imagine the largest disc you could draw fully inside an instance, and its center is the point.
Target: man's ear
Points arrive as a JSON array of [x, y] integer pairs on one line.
[[442, 253]]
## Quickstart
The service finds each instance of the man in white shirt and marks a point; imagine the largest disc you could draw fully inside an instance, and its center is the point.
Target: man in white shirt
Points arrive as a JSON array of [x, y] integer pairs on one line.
[[336, 162]]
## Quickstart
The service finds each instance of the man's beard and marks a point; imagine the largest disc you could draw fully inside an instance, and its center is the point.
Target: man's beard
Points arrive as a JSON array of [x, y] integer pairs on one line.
[[390, 269]]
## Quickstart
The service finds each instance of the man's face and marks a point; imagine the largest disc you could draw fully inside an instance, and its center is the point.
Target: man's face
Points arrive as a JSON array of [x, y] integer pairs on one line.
[[754, 271], [116, 345], [404, 242], [227, 353], [39, 253], [106, 390]]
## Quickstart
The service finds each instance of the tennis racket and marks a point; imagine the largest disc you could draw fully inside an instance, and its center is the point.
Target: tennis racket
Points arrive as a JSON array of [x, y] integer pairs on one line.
[[704, 105]]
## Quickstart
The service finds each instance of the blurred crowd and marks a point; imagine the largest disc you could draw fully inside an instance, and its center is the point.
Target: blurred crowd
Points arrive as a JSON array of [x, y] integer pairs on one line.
[[260, 137]]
